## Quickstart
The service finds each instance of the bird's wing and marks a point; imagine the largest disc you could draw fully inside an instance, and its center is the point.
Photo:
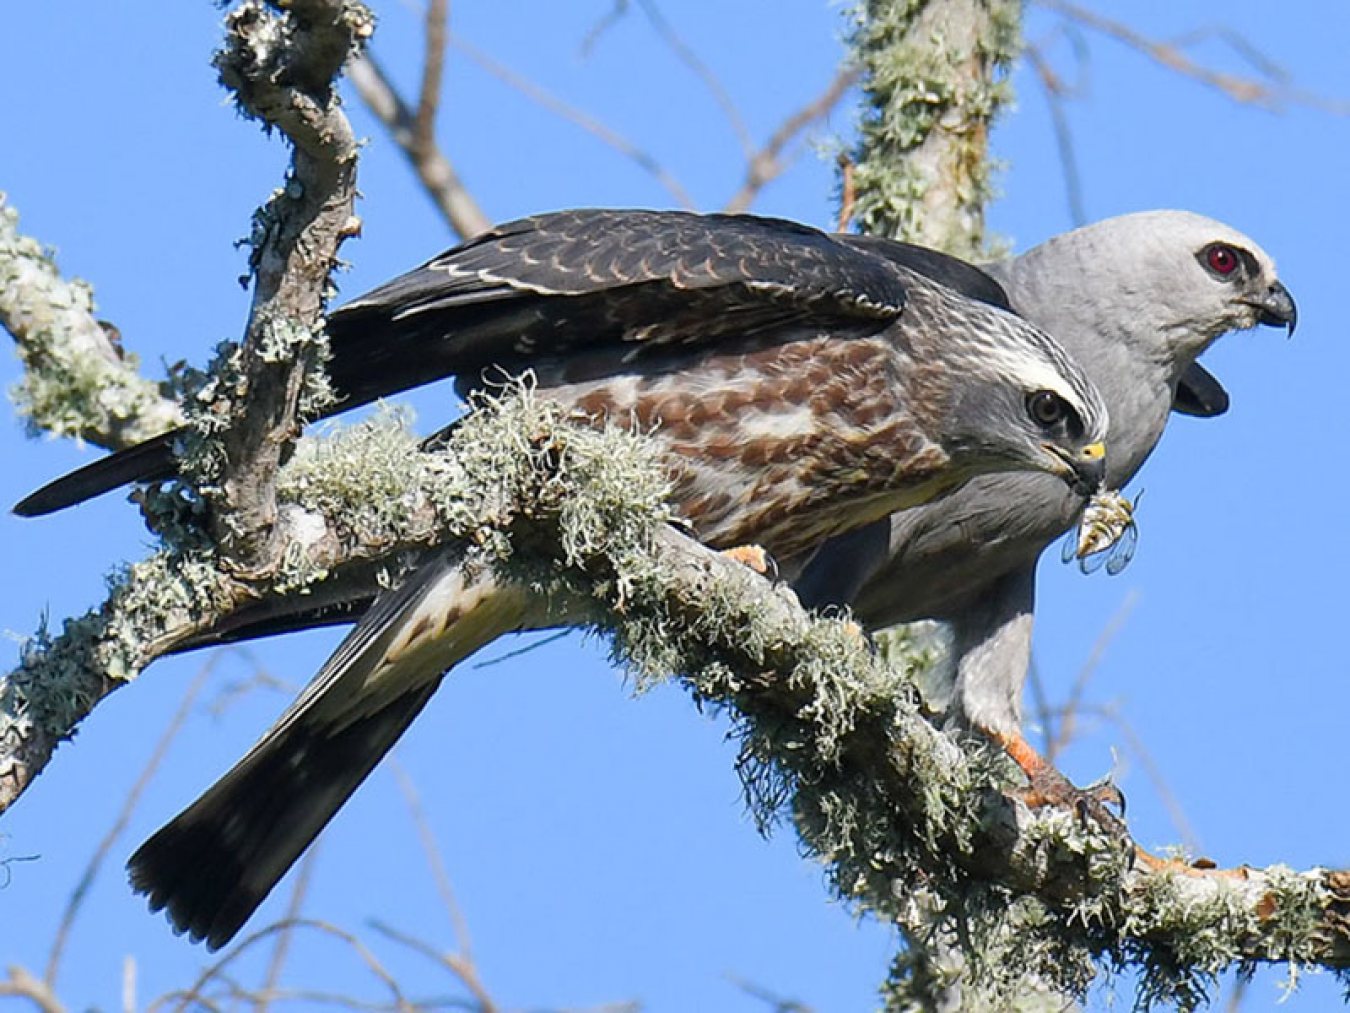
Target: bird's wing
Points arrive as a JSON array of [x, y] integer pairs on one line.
[[959, 275], [1199, 394], [554, 284], [213, 864], [587, 280]]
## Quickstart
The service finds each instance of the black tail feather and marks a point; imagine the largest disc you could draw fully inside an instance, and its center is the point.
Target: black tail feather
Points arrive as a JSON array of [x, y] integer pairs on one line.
[[217, 860]]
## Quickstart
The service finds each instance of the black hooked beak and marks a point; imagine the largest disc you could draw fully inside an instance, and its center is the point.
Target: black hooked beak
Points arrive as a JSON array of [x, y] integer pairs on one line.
[[1277, 308], [1084, 470]]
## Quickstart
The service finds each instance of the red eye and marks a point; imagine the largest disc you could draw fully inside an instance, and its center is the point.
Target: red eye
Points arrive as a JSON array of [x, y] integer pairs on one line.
[[1221, 259]]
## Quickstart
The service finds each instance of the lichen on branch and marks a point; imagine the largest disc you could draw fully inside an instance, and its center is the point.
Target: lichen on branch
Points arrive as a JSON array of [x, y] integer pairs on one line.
[[77, 379], [933, 82]]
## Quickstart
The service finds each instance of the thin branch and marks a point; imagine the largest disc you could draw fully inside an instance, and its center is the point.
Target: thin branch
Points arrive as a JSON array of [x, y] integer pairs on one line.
[[1134, 742], [1055, 93], [133, 797], [21, 984], [433, 70], [435, 861], [129, 1003], [1109, 632], [848, 192], [1045, 716], [435, 171], [766, 164], [281, 948], [216, 970], [581, 119], [460, 966], [703, 72], [666, 32], [772, 1000], [1250, 91]]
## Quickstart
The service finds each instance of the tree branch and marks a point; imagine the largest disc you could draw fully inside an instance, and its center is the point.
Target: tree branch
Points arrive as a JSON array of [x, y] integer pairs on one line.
[[932, 79], [434, 169], [78, 381], [766, 164], [582, 119], [1270, 94], [829, 732], [281, 65]]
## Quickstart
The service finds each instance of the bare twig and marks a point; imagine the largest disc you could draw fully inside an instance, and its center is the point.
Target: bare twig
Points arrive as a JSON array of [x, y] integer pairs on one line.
[[1045, 716], [21, 984], [281, 948], [196, 993], [1272, 95], [573, 115], [460, 966], [432, 851], [152, 765], [433, 71], [1073, 704], [129, 968], [1153, 771], [1055, 92], [767, 163], [415, 132], [775, 1002], [848, 191], [666, 32], [703, 72]]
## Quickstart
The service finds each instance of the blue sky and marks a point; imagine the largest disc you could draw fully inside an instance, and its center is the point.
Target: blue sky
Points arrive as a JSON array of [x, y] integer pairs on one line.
[[597, 843]]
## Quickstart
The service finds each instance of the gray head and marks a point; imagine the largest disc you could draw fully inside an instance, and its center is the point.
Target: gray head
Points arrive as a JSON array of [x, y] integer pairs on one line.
[[1170, 282], [1012, 398]]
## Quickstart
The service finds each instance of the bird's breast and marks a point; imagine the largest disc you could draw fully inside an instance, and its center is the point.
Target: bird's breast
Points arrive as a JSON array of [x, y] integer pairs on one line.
[[784, 445]]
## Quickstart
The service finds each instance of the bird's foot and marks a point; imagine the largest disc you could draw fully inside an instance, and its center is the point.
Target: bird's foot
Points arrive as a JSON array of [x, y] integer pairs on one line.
[[752, 556], [1102, 803]]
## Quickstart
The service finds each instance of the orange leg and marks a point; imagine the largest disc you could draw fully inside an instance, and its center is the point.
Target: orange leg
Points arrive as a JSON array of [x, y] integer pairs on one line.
[[1049, 787]]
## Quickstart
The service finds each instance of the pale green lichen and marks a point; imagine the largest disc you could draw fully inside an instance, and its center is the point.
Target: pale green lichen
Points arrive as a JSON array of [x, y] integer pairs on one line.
[[934, 81], [830, 736], [76, 381]]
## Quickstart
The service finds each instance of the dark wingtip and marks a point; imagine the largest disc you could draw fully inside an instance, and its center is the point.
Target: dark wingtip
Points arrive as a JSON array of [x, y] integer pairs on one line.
[[1199, 394], [151, 461]]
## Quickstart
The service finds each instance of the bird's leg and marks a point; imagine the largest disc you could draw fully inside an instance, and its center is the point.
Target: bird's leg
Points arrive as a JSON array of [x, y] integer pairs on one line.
[[752, 556], [1047, 786]]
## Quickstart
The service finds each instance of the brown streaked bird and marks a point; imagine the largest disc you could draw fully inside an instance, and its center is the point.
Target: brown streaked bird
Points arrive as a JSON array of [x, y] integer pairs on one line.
[[799, 386]]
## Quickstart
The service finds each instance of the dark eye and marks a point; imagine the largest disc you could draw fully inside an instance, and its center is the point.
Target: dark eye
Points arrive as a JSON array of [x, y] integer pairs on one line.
[[1221, 259], [1047, 409]]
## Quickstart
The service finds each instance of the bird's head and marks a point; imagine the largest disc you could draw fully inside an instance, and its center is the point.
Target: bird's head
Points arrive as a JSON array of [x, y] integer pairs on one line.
[[1021, 403], [1167, 282]]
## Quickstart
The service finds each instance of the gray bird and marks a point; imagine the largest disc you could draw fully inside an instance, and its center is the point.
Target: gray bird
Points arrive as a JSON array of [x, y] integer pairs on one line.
[[1135, 299], [799, 386]]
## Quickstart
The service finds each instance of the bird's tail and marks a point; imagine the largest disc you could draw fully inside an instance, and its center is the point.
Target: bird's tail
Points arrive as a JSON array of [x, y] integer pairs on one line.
[[214, 863]]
